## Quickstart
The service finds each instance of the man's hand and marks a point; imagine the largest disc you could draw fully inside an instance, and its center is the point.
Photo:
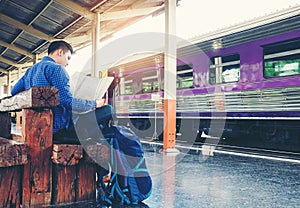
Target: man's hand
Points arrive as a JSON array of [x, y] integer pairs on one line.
[[100, 103]]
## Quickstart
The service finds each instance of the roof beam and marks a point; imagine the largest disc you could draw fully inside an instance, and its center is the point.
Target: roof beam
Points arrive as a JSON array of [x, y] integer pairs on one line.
[[129, 13], [81, 38], [3, 71], [7, 61], [25, 27], [77, 9], [25, 65], [13, 47]]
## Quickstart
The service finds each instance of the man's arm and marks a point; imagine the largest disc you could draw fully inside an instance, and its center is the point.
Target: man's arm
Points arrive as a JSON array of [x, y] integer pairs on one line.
[[19, 87], [60, 80]]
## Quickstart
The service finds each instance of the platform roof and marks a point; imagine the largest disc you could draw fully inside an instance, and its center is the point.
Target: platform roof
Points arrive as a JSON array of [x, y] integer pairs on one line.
[[27, 27]]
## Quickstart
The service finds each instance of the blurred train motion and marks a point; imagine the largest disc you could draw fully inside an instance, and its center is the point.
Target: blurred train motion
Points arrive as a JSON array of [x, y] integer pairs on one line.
[[240, 84]]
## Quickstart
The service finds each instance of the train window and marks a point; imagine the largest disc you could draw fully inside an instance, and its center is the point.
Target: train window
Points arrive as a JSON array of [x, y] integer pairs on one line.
[[282, 59], [224, 69], [184, 76], [126, 86], [150, 81]]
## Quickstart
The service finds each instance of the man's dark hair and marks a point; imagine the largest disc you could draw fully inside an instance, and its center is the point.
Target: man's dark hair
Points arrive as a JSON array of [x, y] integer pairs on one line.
[[60, 44]]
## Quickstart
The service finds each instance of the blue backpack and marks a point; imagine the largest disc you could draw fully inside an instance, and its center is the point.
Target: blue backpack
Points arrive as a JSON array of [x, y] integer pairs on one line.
[[130, 182]]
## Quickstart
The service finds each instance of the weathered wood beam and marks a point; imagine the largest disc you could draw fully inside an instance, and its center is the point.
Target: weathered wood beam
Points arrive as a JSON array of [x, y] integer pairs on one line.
[[12, 153], [65, 154], [74, 172], [35, 97], [12, 156], [64, 184], [10, 189], [65, 175], [37, 178], [86, 186]]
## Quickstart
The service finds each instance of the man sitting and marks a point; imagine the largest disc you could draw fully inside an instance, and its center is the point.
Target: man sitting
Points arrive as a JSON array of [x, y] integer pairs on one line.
[[50, 71]]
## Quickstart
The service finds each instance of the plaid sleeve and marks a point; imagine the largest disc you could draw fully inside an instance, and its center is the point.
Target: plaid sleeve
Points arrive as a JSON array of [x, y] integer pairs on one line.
[[60, 79], [19, 87]]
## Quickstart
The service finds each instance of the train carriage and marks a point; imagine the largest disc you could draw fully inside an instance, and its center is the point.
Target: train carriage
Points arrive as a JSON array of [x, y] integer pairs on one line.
[[240, 84]]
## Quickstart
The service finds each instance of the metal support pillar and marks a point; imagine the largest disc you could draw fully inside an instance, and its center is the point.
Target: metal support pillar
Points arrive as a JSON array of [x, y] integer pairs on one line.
[[19, 72], [95, 44], [8, 82], [18, 114], [36, 58], [170, 77]]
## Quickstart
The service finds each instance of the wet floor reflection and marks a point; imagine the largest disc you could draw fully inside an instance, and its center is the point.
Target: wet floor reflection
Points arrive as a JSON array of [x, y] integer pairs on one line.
[[221, 181]]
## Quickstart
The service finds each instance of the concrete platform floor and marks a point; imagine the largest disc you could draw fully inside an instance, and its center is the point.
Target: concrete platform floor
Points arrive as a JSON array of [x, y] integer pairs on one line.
[[187, 180], [193, 181]]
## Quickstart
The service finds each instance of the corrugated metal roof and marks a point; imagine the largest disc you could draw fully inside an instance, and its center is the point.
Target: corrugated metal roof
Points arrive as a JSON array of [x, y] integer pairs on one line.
[[28, 26]]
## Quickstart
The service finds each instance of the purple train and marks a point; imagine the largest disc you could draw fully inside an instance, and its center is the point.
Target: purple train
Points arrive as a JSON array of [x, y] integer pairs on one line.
[[240, 84]]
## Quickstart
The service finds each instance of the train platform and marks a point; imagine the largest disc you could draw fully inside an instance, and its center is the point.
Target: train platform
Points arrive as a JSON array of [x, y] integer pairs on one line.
[[190, 179], [223, 180]]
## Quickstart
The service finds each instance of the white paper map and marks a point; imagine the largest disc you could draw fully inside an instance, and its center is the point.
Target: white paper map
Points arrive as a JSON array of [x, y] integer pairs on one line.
[[89, 88]]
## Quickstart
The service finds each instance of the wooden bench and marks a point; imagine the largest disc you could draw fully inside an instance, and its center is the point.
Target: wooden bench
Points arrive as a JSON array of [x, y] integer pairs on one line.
[[33, 171]]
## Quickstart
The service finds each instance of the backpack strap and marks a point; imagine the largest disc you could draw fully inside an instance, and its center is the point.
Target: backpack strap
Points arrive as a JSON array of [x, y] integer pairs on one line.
[[137, 169]]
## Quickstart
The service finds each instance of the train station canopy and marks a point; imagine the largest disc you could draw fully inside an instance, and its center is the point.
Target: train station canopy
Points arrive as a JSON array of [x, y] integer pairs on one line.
[[27, 27]]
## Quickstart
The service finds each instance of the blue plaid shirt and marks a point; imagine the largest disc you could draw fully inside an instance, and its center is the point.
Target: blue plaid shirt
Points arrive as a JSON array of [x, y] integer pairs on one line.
[[49, 73]]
